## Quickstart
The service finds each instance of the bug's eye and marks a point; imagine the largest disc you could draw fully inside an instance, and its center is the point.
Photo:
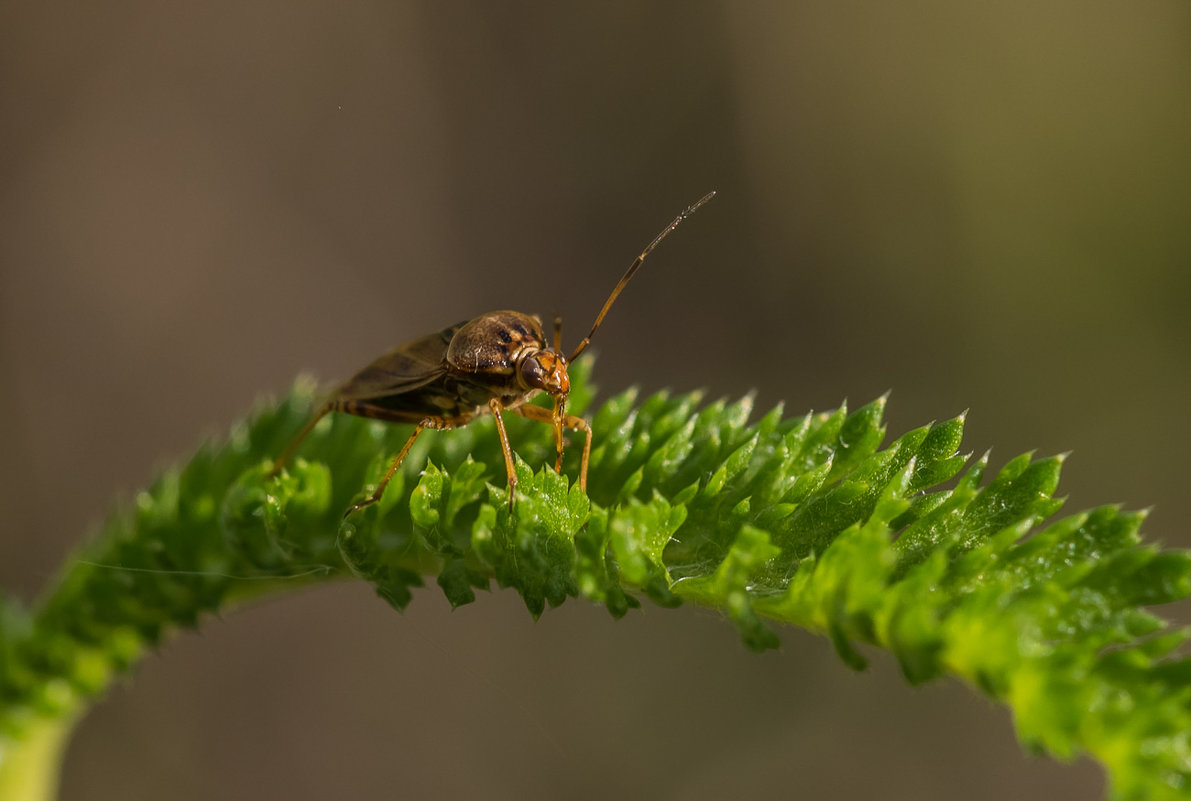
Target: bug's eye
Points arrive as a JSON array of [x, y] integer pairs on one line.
[[532, 374]]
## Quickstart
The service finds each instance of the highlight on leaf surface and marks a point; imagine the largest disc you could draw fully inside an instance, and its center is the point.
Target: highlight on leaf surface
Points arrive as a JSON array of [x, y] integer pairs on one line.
[[803, 520]]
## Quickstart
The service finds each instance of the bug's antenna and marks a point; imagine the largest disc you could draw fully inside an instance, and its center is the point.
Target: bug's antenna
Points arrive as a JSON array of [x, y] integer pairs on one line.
[[624, 279]]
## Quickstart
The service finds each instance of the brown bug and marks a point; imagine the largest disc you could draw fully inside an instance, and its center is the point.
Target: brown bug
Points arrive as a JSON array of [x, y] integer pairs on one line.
[[493, 363]]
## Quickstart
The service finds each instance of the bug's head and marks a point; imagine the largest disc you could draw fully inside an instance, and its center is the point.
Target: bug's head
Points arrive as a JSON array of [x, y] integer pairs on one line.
[[545, 370]]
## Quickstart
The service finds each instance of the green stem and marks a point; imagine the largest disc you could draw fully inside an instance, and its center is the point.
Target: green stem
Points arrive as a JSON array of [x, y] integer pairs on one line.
[[29, 765]]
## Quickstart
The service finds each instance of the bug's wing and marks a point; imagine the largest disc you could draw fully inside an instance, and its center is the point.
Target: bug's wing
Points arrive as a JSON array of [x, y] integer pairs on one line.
[[404, 369]]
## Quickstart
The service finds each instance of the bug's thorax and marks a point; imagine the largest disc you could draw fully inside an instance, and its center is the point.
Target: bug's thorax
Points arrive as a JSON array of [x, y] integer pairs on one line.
[[494, 343], [504, 355]]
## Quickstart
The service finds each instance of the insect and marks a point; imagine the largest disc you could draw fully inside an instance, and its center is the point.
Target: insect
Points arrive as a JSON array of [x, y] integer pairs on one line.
[[491, 364]]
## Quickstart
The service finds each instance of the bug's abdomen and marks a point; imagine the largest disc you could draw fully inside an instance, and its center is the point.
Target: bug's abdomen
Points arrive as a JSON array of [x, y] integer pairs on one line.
[[437, 399]]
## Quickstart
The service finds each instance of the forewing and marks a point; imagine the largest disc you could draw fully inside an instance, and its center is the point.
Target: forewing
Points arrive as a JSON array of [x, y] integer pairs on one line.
[[404, 369]]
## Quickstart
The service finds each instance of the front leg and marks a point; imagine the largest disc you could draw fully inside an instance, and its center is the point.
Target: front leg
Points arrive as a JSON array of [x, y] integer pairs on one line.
[[532, 412]]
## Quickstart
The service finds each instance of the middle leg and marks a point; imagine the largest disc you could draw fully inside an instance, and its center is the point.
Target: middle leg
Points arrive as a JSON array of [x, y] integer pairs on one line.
[[510, 469]]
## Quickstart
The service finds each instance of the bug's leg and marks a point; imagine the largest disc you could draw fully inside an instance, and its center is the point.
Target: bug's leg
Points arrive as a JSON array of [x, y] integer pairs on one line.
[[510, 469], [436, 423], [559, 445], [560, 410], [553, 419], [556, 421], [284, 458], [580, 424], [569, 421], [379, 492]]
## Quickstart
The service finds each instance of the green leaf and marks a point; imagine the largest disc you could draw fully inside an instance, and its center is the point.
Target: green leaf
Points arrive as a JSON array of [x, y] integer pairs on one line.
[[804, 521]]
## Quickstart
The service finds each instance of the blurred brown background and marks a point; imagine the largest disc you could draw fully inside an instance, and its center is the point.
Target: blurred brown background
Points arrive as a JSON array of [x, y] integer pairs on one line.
[[974, 205]]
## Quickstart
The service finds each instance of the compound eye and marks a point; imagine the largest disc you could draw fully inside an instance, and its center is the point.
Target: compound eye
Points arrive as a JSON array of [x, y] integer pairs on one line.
[[532, 374]]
